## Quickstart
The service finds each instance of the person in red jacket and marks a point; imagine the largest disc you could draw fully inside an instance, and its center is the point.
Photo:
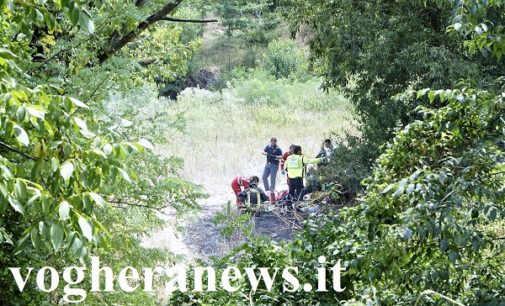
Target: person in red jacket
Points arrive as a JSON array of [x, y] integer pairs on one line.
[[239, 182]]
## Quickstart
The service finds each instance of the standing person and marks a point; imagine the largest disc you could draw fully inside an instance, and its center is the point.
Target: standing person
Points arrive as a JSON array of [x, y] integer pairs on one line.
[[273, 154], [295, 166], [285, 156], [239, 182], [326, 149]]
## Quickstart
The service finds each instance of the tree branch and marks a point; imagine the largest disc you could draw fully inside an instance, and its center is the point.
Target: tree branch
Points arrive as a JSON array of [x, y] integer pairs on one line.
[[12, 149], [189, 20], [120, 43], [121, 203]]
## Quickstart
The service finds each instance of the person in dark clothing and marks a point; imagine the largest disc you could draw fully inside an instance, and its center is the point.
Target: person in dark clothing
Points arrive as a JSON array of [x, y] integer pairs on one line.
[[252, 196], [326, 149], [273, 154]]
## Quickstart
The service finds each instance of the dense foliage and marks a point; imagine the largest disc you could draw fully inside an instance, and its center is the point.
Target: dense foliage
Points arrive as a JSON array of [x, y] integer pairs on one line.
[[374, 50], [250, 19], [284, 59], [68, 183]]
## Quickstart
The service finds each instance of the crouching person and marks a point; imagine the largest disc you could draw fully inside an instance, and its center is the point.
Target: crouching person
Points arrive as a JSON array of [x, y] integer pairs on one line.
[[252, 196], [240, 183]]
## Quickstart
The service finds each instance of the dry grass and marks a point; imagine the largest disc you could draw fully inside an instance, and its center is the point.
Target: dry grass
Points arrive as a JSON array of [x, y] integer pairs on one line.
[[225, 135]]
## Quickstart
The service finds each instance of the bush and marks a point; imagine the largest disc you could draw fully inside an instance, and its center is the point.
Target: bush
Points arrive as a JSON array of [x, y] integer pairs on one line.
[[350, 163], [284, 58]]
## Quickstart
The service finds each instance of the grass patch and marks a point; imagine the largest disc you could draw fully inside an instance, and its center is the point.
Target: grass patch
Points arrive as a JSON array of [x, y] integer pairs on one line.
[[226, 130]]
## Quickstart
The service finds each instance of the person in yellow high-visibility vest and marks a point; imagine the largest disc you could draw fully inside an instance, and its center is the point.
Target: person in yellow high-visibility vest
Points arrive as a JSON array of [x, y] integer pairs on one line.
[[252, 196], [295, 167]]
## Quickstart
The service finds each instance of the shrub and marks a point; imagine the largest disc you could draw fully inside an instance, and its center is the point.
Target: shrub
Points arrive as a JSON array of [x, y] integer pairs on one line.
[[284, 58]]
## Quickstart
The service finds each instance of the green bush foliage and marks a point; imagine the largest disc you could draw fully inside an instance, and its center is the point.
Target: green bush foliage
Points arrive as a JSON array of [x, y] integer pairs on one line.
[[376, 49], [75, 181], [284, 58]]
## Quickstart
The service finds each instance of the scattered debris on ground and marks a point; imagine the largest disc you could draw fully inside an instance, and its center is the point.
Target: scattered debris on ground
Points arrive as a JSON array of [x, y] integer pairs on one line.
[[204, 237]]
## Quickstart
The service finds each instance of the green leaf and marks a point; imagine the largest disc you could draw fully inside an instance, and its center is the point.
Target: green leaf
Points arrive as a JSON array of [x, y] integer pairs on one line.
[[38, 15], [5, 172], [125, 175], [56, 235], [86, 203], [7, 54], [50, 21], [64, 210], [81, 123], [34, 197], [21, 114], [83, 127], [86, 22], [74, 14], [431, 95], [55, 164], [98, 199], [35, 236], [87, 230], [44, 230], [20, 190], [35, 111], [66, 170], [78, 103], [77, 247], [3, 191], [146, 144], [46, 205], [422, 92], [16, 205], [21, 243], [21, 135]]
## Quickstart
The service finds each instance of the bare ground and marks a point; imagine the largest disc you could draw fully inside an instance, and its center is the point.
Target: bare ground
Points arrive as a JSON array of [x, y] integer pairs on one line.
[[197, 237], [203, 238]]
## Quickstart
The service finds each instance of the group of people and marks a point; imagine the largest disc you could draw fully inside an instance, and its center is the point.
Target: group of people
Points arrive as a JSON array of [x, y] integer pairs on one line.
[[293, 163]]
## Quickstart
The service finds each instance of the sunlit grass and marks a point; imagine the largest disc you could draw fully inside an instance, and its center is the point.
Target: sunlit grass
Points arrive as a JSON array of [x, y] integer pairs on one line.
[[226, 131]]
